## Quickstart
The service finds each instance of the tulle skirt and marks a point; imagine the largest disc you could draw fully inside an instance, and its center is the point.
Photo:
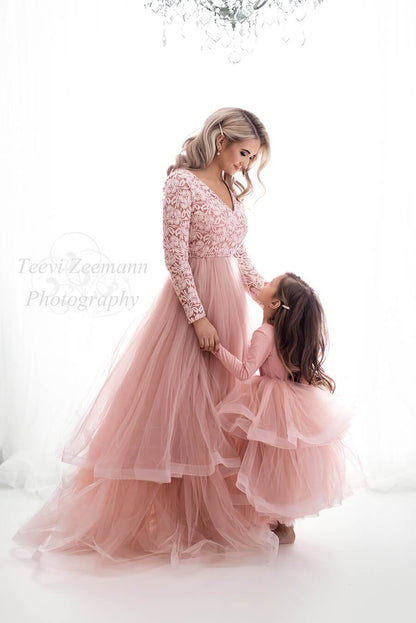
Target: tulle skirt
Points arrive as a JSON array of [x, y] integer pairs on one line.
[[151, 470], [295, 458]]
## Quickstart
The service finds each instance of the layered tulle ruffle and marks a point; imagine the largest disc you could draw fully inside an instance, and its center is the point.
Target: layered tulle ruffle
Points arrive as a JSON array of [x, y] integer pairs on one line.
[[295, 460], [129, 520], [151, 469]]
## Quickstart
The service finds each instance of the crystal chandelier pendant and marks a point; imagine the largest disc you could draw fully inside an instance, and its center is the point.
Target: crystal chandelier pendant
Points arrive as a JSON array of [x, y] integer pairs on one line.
[[234, 24]]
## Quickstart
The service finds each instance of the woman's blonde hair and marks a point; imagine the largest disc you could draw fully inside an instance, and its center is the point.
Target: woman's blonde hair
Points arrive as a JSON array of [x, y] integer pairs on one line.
[[237, 125]]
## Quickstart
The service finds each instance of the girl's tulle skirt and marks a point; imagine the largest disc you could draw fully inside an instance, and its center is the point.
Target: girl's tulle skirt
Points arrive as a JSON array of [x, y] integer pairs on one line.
[[295, 460], [150, 470]]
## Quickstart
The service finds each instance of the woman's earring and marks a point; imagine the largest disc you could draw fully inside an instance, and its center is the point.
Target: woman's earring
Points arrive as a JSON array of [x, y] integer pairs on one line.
[[218, 152]]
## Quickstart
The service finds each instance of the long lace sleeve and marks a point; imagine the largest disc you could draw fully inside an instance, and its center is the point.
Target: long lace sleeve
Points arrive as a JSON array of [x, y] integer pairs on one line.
[[177, 202], [253, 280], [258, 351]]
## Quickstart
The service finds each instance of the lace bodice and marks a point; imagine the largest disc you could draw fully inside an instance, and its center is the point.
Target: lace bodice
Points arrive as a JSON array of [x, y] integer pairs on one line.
[[197, 223]]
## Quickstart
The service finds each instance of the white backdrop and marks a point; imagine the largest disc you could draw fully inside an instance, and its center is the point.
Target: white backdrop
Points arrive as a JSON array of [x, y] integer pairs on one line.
[[93, 111]]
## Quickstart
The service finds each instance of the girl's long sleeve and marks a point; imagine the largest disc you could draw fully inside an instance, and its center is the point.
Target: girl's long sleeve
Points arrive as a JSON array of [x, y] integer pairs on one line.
[[258, 351], [177, 202], [253, 280]]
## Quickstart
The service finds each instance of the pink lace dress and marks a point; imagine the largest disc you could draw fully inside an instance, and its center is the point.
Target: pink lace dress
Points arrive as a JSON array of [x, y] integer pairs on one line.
[[154, 471]]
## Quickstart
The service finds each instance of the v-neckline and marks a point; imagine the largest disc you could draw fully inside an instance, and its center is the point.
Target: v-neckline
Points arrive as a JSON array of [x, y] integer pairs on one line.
[[214, 193]]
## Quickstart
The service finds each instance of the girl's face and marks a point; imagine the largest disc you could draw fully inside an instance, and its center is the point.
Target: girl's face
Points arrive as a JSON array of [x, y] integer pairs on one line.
[[266, 295], [237, 156]]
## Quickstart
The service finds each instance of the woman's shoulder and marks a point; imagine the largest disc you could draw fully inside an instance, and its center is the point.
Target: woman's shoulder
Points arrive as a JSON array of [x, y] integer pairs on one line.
[[179, 173], [177, 178]]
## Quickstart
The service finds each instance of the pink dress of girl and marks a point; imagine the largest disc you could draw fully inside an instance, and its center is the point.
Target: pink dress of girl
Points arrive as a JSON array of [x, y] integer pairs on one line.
[[295, 461], [155, 473]]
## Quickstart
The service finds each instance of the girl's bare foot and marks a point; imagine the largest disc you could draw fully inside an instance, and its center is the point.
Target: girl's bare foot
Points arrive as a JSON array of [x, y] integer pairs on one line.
[[285, 533]]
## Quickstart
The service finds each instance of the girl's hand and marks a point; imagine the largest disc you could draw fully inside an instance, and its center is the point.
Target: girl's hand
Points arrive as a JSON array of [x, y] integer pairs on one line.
[[207, 335]]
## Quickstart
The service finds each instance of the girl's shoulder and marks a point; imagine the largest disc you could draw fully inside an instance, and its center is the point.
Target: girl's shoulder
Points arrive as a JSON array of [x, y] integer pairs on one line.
[[265, 329]]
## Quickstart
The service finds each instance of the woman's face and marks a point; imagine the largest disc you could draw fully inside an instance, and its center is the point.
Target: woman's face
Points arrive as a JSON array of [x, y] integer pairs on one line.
[[237, 156]]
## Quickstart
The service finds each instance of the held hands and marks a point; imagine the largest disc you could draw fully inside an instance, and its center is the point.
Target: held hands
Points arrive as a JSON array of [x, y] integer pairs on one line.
[[207, 335]]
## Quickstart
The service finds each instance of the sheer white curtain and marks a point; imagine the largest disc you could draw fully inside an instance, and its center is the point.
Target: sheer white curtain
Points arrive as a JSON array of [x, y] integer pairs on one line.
[[94, 109]]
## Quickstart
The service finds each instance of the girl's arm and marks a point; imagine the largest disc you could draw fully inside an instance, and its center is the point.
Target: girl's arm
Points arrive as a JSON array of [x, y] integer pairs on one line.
[[177, 202], [258, 351], [253, 280]]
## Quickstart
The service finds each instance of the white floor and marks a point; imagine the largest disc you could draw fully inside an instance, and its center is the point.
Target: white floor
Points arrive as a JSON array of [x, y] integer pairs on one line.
[[355, 561]]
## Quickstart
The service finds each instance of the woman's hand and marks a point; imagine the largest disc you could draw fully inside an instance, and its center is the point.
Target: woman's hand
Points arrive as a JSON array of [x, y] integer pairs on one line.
[[207, 335]]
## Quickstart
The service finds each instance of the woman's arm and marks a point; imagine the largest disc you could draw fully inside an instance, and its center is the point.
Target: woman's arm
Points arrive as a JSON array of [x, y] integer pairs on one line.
[[253, 280], [258, 351], [177, 203]]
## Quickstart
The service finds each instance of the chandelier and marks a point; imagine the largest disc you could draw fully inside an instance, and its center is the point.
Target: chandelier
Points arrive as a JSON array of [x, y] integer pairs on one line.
[[232, 24]]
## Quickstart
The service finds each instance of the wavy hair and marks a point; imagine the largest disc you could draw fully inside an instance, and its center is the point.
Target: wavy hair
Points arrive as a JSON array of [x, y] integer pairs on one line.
[[301, 333], [237, 125]]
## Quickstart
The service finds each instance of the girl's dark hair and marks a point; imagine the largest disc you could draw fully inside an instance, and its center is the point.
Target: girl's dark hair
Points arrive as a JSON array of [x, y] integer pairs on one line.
[[301, 333]]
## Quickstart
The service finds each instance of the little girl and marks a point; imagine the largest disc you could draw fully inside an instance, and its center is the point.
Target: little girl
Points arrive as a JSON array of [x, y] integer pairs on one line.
[[294, 462]]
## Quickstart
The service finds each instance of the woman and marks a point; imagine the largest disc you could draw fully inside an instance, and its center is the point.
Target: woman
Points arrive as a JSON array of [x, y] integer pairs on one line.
[[155, 473]]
